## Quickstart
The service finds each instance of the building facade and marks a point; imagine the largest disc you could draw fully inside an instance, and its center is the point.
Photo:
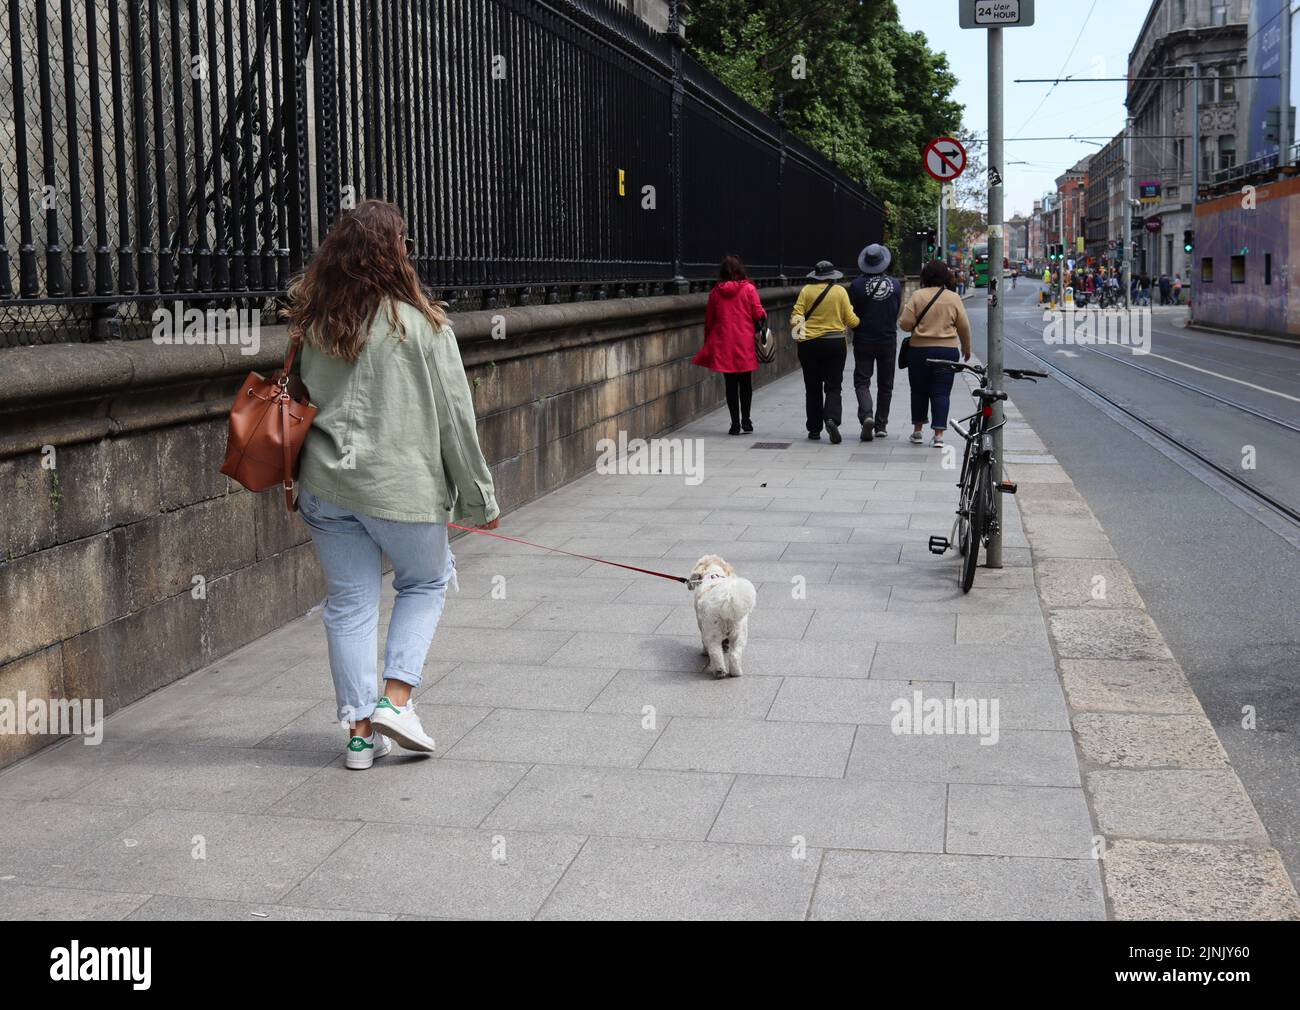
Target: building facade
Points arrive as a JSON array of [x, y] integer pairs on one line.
[[1182, 39], [1072, 190], [1104, 234]]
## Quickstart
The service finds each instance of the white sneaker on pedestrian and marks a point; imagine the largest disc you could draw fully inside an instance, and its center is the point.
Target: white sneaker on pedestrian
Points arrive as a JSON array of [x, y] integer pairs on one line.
[[915, 438], [936, 441], [362, 750], [402, 724]]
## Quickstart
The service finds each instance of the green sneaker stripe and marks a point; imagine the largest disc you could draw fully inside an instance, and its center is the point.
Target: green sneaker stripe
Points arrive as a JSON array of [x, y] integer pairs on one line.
[[358, 743]]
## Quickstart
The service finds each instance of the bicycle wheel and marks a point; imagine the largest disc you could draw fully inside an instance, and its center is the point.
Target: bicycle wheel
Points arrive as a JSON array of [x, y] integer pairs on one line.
[[975, 523]]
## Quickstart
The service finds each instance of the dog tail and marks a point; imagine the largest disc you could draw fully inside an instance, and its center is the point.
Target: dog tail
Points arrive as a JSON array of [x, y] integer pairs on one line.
[[739, 600]]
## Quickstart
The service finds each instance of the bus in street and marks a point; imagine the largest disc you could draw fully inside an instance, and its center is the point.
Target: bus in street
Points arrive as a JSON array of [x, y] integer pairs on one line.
[[980, 265]]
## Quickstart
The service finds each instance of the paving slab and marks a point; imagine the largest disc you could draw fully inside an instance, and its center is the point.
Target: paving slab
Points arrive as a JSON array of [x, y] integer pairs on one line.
[[210, 854], [25, 903], [532, 736], [833, 813], [933, 886], [1004, 820], [638, 803], [618, 879], [1148, 881], [1174, 804], [444, 872], [753, 747], [664, 693]]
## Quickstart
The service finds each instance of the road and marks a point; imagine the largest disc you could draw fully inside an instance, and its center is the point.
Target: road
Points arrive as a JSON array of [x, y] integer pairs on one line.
[[1218, 569]]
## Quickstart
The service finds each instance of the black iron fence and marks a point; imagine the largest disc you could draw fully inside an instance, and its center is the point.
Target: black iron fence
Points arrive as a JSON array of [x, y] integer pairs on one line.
[[196, 150]]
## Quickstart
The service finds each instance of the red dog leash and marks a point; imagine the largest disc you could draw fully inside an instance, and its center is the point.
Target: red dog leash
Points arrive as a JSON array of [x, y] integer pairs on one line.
[[688, 583]]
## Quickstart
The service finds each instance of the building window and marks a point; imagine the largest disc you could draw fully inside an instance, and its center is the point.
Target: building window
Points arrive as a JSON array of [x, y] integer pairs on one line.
[[1218, 12], [1227, 151], [1227, 84], [1238, 270], [1268, 268], [1207, 269], [1178, 14], [1207, 155]]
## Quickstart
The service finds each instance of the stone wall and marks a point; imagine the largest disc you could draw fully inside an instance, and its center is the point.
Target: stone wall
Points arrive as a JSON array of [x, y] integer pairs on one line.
[[127, 560]]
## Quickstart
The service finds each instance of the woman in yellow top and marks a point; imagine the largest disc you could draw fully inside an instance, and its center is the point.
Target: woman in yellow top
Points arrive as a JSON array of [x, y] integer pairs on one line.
[[936, 319], [821, 320]]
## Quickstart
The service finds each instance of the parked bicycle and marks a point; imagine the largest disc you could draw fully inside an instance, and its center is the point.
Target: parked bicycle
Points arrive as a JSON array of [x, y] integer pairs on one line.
[[977, 501]]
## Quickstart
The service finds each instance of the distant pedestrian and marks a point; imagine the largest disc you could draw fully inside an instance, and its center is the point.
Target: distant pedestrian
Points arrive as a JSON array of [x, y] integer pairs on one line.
[[391, 457], [1165, 287], [877, 299], [939, 327], [1178, 289], [729, 321], [820, 321]]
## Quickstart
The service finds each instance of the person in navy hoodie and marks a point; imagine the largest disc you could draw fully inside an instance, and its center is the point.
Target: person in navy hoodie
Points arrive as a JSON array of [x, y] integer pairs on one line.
[[729, 319], [877, 299]]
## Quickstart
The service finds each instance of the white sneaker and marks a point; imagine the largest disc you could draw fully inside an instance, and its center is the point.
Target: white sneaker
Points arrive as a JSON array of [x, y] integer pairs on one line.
[[402, 724], [362, 750], [936, 441], [915, 438]]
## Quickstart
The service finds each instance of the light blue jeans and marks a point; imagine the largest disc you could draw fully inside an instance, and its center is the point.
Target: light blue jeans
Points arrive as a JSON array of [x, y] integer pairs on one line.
[[348, 545]]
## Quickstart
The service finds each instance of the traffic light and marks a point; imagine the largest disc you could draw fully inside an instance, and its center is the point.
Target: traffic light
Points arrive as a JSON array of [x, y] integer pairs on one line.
[[931, 242], [1189, 240]]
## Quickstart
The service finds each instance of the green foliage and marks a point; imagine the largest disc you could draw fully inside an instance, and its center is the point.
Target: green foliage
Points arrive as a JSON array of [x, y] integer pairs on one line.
[[872, 94]]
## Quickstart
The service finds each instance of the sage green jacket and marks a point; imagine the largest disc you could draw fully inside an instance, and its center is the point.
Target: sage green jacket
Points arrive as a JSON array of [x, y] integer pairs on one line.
[[395, 436]]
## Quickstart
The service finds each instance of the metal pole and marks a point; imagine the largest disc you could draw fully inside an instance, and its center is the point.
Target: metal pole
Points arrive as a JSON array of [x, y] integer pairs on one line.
[[943, 222], [1284, 94], [993, 357], [1196, 151], [1128, 208], [1060, 265]]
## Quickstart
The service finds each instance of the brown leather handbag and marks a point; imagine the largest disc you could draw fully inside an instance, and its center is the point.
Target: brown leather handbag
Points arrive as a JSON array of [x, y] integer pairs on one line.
[[268, 424]]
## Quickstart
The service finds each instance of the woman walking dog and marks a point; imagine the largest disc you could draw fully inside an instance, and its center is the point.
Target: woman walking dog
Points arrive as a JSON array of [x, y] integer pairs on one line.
[[391, 458], [936, 320]]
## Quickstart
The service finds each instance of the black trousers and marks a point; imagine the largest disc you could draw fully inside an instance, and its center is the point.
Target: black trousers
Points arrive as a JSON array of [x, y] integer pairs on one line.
[[740, 393], [822, 360], [879, 356]]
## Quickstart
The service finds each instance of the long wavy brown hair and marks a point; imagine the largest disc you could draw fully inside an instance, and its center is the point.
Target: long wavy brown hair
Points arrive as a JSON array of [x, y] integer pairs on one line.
[[361, 267]]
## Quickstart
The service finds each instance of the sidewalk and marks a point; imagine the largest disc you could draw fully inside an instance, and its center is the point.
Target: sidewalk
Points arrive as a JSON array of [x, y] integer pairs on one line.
[[587, 766]]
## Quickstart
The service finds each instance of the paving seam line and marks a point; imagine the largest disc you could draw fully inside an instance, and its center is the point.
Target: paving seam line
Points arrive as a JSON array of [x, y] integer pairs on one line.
[[1177, 834]]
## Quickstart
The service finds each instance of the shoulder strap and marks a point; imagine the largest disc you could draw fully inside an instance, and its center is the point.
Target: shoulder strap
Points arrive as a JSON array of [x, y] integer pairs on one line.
[[825, 291], [936, 297]]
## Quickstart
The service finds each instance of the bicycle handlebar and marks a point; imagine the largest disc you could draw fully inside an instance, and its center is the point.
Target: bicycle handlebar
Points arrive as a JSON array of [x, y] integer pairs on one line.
[[981, 370]]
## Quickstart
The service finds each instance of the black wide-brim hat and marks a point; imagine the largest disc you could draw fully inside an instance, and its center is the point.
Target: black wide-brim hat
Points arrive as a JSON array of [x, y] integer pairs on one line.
[[825, 271], [874, 259]]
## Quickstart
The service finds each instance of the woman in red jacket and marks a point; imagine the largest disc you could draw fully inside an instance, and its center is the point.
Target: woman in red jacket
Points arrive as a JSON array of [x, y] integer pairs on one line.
[[733, 309]]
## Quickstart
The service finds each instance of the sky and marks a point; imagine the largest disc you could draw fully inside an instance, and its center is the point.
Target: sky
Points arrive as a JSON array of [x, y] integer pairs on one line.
[[1064, 41]]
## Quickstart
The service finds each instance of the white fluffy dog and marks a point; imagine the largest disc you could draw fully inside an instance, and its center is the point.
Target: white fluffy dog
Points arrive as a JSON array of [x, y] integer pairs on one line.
[[723, 601]]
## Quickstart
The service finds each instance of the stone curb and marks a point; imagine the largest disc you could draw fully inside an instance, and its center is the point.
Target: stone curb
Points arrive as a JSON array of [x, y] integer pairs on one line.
[[1178, 835]]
